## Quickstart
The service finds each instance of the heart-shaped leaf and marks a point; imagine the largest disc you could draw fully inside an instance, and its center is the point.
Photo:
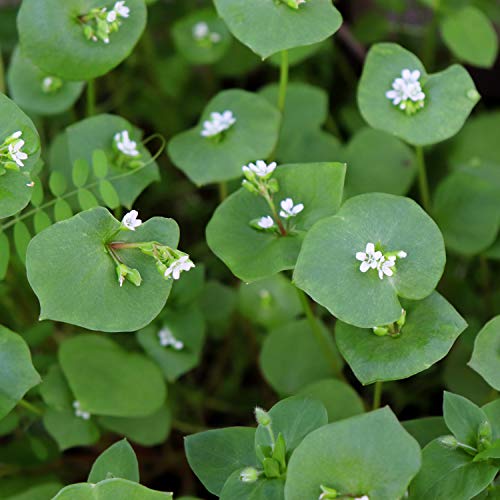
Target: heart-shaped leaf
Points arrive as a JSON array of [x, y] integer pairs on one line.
[[486, 355], [449, 97], [70, 55], [254, 134], [432, 326], [75, 278], [352, 458], [133, 387], [328, 270], [268, 27], [252, 254]]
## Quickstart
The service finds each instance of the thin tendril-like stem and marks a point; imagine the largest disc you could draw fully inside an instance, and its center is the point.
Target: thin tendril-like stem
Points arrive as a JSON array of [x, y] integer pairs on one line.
[[377, 395], [284, 69], [30, 407]]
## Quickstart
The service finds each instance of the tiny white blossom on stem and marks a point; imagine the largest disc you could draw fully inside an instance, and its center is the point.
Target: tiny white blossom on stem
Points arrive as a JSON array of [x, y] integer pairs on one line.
[[127, 146], [266, 222], [130, 220], [79, 412], [167, 338], [178, 266], [369, 258], [385, 266], [16, 153], [288, 209], [121, 9], [201, 30], [218, 123], [260, 168], [402, 254], [407, 91]]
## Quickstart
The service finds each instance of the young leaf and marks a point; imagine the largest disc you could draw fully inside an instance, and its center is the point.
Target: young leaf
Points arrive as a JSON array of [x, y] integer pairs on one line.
[[108, 194], [118, 460], [99, 163], [57, 184], [4, 254], [41, 221], [80, 172], [22, 239], [62, 210], [86, 199]]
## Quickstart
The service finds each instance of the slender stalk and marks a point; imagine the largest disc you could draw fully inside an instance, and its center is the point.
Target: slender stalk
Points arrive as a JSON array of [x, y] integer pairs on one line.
[[318, 332], [276, 218], [377, 395], [222, 191], [2, 74], [32, 408], [283, 80], [91, 98], [422, 179]]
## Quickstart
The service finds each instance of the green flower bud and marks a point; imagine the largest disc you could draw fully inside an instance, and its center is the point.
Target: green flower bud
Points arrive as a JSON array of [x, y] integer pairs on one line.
[[294, 4], [327, 493], [402, 320], [449, 442], [381, 331], [134, 276], [484, 435], [249, 187], [262, 417], [249, 475]]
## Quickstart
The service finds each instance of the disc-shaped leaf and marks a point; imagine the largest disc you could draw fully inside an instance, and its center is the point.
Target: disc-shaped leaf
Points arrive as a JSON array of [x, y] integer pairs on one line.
[[252, 255], [486, 355], [470, 36], [76, 282], [327, 268], [26, 85], [134, 385], [252, 137], [201, 37], [119, 460], [110, 489], [16, 369], [70, 55], [15, 193], [270, 27], [449, 97], [432, 326], [351, 457]]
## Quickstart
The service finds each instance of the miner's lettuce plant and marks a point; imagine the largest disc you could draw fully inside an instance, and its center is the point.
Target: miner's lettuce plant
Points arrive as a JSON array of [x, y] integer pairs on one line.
[[231, 222]]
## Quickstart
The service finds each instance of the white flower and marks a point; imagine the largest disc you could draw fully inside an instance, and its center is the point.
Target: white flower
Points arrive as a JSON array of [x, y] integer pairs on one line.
[[402, 254], [218, 123], [266, 222], [79, 412], [385, 266], [200, 30], [181, 264], [130, 220], [215, 37], [15, 135], [121, 9], [125, 144], [288, 209], [112, 16], [407, 89], [364, 497], [15, 152], [167, 339], [47, 83], [369, 258], [260, 168]]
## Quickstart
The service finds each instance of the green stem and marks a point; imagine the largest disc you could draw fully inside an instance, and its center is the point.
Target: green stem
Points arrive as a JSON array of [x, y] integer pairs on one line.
[[318, 332], [222, 191], [32, 408], [91, 98], [2, 74], [422, 179], [283, 80], [377, 395], [270, 202]]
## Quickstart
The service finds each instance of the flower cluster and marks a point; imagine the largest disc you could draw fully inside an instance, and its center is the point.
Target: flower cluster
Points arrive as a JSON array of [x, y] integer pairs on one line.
[[407, 92], [127, 154], [79, 412], [294, 4], [375, 259], [12, 155], [218, 123], [51, 84], [167, 338], [99, 23], [258, 180], [203, 35]]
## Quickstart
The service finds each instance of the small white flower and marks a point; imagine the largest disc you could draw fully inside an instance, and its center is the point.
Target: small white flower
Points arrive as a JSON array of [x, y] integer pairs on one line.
[[15, 135], [215, 37], [406, 90], [121, 9], [260, 168], [385, 266], [288, 209], [130, 220], [167, 339], [125, 144], [266, 222], [30, 184], [112, 16], [402, 254], [178, 266], [47, 83], [79, 412], [364, 497], [16, 153], [369, 258], [218, 123], [201, 30]]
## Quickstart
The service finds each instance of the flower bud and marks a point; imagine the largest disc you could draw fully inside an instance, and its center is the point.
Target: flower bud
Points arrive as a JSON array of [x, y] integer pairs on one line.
[[327, 493], [402, 320], [294, 4], [449, 442], [381, 331], [249, 475], [484, 435], [249, 187], [134, 276], [262, 417]]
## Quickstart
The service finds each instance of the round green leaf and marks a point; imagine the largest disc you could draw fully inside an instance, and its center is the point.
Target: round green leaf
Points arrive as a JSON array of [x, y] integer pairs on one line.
[[66, 52], [17, 374], [252, 137], [118, 460], [15, 193], [292, 357], [352, 456], [450, 97], [252, 255], [205, 50], [328, 271], [268, 27], [76, 282], [432, 326], [26, 88], [470, 36], [263, 489], [486, 355], [134, 385]]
